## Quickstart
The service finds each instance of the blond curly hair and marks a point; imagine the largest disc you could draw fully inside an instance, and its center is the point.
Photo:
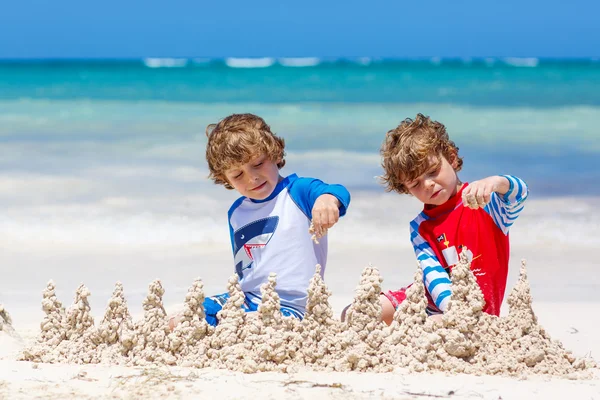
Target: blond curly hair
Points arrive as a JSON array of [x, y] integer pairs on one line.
[[237, 139], [407, 151]]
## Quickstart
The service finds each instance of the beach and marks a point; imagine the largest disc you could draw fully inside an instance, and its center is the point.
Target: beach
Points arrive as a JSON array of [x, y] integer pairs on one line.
[[563, 303], [98, 187]]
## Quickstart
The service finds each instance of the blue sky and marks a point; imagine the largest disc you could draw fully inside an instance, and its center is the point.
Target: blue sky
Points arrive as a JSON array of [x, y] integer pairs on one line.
[[197, 28]]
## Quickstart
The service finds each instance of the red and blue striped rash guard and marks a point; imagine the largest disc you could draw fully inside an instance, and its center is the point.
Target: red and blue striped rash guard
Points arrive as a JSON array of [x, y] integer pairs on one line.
[[439, 234]]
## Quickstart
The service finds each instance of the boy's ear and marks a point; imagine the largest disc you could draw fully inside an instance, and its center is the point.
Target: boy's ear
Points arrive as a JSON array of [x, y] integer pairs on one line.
[[454, 160], [280, 163]]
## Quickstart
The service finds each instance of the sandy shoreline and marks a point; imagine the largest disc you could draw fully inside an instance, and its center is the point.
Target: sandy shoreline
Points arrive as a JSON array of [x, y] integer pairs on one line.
[[22, 380], [563, 301]]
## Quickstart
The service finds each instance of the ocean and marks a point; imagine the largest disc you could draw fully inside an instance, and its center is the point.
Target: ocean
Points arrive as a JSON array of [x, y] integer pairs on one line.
[[127, 136], [102, 161]]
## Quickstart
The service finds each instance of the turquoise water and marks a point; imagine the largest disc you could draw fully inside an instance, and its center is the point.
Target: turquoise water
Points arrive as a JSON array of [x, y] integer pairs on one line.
[[535, 118], [490, 82]]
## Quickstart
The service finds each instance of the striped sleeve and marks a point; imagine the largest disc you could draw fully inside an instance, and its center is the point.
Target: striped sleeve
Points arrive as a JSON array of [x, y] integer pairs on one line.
[[435, 277], [505, 209]]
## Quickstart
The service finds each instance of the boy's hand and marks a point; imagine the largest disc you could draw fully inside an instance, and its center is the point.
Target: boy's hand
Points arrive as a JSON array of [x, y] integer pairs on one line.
[[325, 213], [174, 320], [478, 193]]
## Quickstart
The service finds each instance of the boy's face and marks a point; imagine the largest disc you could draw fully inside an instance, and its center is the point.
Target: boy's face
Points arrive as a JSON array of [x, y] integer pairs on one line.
[[438, 184], [255, 179]]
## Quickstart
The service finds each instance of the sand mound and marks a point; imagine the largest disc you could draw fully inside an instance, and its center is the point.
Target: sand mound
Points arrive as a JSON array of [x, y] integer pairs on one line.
[[5, 320], [465, 340], [10, 342]]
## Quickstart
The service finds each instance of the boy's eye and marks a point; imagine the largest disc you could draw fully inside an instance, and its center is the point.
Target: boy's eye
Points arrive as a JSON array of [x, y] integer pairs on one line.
[[259, 164], [237, 176]]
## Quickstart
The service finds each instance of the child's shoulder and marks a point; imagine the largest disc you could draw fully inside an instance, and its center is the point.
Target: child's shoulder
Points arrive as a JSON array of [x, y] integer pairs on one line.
[[313, 187], [301, 185], [308, 183], [420, 217], [300, 182], [235, 205]]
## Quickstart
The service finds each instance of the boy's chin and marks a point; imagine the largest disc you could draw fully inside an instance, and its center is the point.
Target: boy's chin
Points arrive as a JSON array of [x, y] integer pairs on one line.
[[441, 201], [257, 198], [260, 196], [264, 192], [438, 201]]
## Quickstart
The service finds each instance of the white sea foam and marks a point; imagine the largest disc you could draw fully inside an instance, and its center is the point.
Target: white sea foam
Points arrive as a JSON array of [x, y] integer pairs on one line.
[[521, 62], [299, 61], [141, 207], [263, 62], [92, 226], [165, 62]]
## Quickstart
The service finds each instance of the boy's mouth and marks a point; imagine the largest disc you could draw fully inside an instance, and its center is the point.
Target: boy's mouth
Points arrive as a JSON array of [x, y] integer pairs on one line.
[[259, 186], [433, 196]]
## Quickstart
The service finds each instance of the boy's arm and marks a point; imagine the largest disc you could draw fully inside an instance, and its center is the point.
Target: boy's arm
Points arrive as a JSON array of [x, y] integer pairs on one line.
[[435, 277], [306, 191], [504, 208]]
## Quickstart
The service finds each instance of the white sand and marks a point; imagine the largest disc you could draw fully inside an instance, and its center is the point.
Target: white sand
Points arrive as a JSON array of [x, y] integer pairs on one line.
[[561, 303]]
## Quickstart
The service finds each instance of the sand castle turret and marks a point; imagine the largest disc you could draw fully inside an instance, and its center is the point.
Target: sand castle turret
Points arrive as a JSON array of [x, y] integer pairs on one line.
[[78, 318], [187, 336], [364, 335], [151, 341], [116, 325]]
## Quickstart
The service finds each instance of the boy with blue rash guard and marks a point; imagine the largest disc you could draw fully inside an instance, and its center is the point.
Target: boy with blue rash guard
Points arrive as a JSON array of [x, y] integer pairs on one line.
[[269, 224]]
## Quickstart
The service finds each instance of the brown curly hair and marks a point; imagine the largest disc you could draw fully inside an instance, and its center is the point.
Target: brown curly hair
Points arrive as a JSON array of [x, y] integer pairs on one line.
[[237, 139], [407, 151]]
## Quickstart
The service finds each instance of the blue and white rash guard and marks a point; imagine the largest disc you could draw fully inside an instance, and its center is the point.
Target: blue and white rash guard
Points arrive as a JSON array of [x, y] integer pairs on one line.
[[271, 235]]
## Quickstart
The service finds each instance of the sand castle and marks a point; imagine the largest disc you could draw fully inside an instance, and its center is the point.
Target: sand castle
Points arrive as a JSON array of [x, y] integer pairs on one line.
[[6, 321], [466, 340]]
